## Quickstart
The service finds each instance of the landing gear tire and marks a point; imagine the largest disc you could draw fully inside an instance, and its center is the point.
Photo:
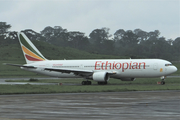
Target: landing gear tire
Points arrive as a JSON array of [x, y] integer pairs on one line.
[[86, 83], [102, 83], [83, 83], [162, 82]]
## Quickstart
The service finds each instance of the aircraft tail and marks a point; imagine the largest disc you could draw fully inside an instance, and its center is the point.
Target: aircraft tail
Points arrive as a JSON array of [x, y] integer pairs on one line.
[[31, 53]]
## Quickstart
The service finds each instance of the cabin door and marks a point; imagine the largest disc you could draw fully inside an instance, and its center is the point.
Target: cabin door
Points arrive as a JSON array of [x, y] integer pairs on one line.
[[155, 66]]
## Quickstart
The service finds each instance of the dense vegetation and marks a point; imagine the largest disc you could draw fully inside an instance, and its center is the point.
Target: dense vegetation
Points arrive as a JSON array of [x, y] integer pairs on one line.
[[131, 43]]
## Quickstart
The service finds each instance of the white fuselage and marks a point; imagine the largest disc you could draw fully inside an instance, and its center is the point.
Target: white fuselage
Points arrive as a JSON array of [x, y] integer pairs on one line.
[[124, 68]]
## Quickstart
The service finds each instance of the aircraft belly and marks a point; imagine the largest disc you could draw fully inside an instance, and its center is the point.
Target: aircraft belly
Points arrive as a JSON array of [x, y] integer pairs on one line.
[[59, 74], [141, 73]]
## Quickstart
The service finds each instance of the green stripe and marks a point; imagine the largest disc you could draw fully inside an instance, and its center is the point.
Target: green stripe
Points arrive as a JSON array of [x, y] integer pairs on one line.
[[26, 44]]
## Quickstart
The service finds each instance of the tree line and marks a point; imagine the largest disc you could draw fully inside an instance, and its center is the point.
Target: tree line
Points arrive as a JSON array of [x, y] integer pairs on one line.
[[131, 43]]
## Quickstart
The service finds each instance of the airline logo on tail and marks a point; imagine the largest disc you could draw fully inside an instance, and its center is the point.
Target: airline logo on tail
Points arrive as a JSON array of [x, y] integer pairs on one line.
[[31, 53]]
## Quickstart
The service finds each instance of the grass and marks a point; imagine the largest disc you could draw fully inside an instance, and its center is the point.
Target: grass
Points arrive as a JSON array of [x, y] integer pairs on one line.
[[39, 89], [113, 86], [150, 81]]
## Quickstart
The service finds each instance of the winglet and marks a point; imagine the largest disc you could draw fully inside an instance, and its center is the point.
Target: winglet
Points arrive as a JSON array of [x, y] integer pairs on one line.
[[31, 53]]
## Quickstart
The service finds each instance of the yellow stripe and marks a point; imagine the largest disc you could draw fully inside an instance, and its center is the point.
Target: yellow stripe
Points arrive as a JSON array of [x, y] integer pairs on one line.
[[31, 53]]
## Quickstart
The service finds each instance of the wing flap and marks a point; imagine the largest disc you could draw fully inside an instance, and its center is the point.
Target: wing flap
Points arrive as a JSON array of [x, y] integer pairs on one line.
[[69, 70]]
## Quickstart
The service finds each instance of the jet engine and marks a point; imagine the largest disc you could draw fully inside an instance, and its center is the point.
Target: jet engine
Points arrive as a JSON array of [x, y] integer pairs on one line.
[[127, 79], [100, 76]]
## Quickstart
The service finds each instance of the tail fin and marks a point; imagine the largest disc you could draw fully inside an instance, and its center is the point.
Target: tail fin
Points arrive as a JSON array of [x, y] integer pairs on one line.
[[31, 53]]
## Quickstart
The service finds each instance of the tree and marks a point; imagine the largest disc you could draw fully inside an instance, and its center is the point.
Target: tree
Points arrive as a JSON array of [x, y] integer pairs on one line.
[[142, 35], [4, 28], [32, 35], [125, 42], [57, 35], [48, 33], [129, 38], [119, 34], [176, 49], [153, 35], [7, 37], [98, 38], [78, 40]]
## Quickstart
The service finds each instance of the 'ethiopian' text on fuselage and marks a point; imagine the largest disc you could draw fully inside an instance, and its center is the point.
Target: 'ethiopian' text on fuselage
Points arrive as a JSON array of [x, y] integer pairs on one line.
[[104, 65]]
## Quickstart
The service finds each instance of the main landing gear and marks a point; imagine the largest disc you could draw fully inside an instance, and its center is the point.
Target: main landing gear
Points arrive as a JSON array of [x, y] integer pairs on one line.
[[86, 83], [89, 83], [163, 80]]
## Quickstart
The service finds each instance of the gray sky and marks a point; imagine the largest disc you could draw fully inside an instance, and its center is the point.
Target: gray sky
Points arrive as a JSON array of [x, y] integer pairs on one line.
[[87, 15]]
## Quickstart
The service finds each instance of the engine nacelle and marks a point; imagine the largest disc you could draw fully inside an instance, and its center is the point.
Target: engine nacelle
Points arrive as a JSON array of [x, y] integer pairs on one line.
[[127, 79], [100, 76]]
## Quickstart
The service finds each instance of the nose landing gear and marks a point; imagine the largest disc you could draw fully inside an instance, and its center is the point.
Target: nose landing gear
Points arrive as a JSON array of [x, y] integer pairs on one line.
[[163, 80]]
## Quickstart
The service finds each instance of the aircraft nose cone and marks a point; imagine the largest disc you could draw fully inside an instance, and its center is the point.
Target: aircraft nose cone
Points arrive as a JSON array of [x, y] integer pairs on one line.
[[172, 69], [175, 69]]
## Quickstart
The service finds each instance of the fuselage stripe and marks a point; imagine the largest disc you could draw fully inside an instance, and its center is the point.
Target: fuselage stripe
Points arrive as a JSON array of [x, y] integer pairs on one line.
[[31, 58], [28, 52], [27, 45]]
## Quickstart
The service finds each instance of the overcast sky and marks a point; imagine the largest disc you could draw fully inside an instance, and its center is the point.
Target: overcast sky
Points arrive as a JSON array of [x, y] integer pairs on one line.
[[87, 15]]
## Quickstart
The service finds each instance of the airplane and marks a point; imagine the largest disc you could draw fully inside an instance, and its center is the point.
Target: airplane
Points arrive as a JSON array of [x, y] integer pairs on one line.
[[99, 70]]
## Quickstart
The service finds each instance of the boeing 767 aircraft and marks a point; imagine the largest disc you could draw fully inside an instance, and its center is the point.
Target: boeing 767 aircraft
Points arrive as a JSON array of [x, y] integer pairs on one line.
[[99, 70]]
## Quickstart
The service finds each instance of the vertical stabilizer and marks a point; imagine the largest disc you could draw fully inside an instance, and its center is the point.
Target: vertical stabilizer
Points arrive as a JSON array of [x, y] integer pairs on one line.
[[31, 53]]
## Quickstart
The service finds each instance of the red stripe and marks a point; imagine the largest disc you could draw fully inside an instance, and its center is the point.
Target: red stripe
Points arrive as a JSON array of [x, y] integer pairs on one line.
[[32, 59]]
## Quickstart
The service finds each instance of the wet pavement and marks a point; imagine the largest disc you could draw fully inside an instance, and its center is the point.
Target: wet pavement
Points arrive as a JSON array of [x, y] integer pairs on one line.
[[99, 106], [3, 81]]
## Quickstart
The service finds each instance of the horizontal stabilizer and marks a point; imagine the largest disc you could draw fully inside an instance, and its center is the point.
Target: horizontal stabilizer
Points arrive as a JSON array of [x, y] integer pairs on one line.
[[17, 65]]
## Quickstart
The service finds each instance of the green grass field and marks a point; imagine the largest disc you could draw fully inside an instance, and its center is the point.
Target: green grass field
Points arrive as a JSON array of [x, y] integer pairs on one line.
[[114, 85], [39, 89], [138, 81]]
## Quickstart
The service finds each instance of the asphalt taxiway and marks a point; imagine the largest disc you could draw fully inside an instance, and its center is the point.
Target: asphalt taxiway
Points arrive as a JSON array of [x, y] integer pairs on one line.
[[99, 106]]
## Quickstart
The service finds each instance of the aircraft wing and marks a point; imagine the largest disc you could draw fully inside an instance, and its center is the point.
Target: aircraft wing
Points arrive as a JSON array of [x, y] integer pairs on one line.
[[64, 70], [75, 71]]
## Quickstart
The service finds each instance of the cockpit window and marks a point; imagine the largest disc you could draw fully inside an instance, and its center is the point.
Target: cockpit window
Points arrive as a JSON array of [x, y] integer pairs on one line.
[[168, 64]]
